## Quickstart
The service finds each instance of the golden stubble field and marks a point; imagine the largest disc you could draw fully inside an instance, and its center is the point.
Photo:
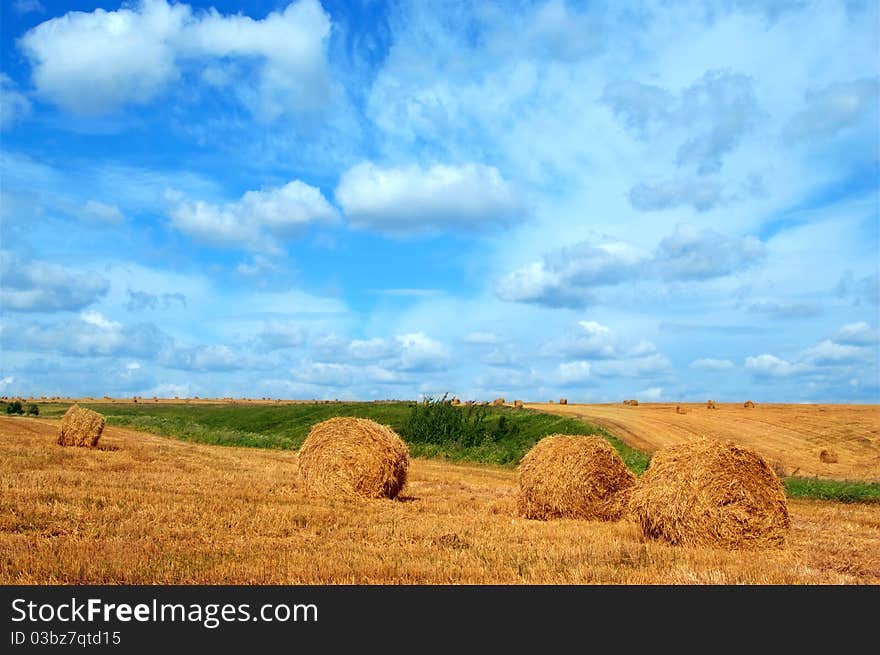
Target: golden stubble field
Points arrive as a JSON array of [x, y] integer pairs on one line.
[[147, 509], [791, 435]]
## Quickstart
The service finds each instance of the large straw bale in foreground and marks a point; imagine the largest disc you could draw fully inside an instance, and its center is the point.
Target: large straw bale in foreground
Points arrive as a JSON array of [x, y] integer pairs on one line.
[[81, 427], [353, 457], [567, 476], [713, 494]]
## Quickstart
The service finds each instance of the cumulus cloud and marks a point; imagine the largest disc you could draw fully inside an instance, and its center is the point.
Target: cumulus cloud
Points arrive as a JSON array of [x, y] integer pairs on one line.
[[95, 62], [98, 212], [411, 352], [257, 220], [856, 351], [700, 194], [91, 334], [829, 353], [276, 335], [34, 286], [590, 340], [412, 199], [574, 373], [834, 108], [14, 105], [771, 366], [711, 364], [857, 334], [694, 254], [569, 277], [713, 114], [213, 357]]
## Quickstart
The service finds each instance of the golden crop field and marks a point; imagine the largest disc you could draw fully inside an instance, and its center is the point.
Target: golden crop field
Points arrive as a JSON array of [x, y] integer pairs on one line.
[[147, 509], [792, 435]]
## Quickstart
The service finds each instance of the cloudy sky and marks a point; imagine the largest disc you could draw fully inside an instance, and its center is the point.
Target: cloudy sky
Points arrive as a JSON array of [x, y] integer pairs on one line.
[[381, 200]]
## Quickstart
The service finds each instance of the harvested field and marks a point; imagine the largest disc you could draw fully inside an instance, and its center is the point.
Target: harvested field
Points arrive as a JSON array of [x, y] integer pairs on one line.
[[793, 435], [148, 509]]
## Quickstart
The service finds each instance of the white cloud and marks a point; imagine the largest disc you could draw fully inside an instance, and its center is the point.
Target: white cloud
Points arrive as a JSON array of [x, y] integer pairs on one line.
[[710, 364], [591, 340], [14, 105], [835, 108], [573, 373], [481, 338], [34, 286], [857, 334], [99, 212], [712, 115], [571, 276], [771, 366], [827, 353], [652, 394], [276, 335], [95, 62], [98, 320], [413, 199], [257, 220], [639, 367]]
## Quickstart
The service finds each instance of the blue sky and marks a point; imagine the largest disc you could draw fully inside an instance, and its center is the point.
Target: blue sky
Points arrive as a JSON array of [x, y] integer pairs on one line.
[[663, 201]]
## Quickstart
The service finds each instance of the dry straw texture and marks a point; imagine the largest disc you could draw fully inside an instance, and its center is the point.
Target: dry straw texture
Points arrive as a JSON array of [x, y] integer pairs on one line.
[[346, 456], [828, 457], [573, 477], [711, 494], [81, 427]]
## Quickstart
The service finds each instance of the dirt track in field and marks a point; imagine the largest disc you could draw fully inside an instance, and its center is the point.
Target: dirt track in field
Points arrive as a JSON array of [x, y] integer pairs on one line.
[[792, 435], [148, 509]]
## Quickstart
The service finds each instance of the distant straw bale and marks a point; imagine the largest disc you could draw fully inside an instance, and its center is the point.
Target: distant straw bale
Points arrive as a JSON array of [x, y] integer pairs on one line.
[[680, 410], [518, 404], [81, 427], [498, 402], [748, 404], [346, 456], [563, 401], [711, 494], [634, 402], [710, 404], [828, 456], [566, 476]]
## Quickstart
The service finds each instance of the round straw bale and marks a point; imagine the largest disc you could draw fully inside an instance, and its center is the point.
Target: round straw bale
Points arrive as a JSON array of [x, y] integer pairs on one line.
[[633, 402], [748, 404], [498, 402], [563, 401], [710, 404], [80, 427], [828, 456], [353, 457], [566, 476], [713, 494], [518, 404]]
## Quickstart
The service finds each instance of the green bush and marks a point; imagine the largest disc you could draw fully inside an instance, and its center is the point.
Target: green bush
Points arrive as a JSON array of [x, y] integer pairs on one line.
[[439, 422], [33, 410], [14, 408]]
